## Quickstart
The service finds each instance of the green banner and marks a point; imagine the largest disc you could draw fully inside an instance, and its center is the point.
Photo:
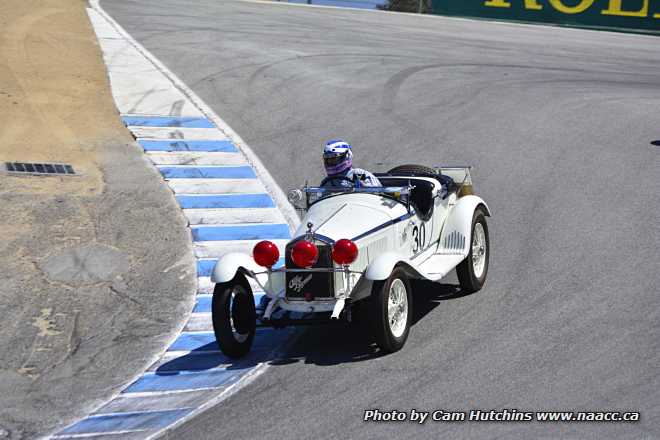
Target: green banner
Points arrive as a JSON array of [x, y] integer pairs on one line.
[[640, 15]]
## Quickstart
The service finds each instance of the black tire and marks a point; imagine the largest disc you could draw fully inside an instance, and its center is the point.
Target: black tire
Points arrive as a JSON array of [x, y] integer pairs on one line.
[[469, 281], [234, 316], [424, 171], [379, 317], [416, 170]]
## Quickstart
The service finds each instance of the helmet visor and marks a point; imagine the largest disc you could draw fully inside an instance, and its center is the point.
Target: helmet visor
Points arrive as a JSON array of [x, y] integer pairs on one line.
[[332, 160]]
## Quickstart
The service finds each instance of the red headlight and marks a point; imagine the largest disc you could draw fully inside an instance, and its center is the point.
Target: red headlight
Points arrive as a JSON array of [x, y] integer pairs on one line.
[[344, 252], [265, 253], [304, 254]]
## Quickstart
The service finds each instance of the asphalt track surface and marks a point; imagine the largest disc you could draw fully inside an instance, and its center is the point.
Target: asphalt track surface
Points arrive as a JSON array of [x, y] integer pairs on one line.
[[559, 124]]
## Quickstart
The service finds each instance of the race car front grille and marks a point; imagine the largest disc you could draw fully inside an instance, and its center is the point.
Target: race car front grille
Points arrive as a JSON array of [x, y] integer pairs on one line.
[[313, 285]]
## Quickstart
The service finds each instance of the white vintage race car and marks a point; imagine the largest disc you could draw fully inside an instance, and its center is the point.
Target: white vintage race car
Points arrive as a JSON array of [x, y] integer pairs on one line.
[[354, 255]]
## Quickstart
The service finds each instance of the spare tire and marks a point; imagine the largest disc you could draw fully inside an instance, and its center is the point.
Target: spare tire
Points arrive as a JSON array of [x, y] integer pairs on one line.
[[424, 171], [414, 170]]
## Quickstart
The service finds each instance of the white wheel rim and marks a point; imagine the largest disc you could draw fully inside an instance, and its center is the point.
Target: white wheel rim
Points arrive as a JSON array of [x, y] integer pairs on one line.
[[397, 308], [240, 337], [479, 250]]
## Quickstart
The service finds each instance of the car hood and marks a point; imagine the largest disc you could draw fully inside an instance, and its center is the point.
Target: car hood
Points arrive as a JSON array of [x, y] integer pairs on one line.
[[350, 216]]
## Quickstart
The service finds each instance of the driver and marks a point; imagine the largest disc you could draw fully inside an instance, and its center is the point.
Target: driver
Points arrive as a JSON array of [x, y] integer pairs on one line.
[[338, 162]]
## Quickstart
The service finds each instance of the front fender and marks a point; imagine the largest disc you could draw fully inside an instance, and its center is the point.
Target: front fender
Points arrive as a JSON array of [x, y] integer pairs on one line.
[[457, 230], [382, 266], [229, 264]]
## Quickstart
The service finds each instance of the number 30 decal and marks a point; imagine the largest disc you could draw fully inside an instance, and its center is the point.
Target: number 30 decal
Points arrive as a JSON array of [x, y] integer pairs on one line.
[[419, 237]]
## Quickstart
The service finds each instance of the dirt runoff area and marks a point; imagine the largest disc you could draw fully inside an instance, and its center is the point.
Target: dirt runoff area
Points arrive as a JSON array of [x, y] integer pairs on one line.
[[96, 271]]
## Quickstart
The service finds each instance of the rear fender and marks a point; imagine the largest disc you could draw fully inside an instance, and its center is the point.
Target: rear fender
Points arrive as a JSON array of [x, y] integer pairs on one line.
[[457, 230]]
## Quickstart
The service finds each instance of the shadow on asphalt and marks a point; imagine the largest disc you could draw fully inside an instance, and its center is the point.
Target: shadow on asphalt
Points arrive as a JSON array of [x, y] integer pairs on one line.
[[354, 343], [318, 345], [206, 358], [656, 143]]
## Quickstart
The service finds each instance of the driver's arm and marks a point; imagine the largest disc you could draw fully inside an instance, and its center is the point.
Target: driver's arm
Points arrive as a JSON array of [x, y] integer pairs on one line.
[[367, 179]]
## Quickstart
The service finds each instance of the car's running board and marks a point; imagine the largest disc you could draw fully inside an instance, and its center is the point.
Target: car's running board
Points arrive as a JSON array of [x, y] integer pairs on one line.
[[439, 265]]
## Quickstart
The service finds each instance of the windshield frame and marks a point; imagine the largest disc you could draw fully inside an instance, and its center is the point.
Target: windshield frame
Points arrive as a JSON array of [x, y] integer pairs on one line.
[[400, 194]]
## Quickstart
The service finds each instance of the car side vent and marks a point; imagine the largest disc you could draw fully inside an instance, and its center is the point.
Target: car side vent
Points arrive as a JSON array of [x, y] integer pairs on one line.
[[40, 168], [455, 240]]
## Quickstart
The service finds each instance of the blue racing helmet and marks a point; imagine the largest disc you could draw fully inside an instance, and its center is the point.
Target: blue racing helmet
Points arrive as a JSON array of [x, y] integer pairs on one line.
[[337, 157]]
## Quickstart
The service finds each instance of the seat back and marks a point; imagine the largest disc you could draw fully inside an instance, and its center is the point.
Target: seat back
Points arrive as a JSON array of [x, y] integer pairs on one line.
[[421, 196]]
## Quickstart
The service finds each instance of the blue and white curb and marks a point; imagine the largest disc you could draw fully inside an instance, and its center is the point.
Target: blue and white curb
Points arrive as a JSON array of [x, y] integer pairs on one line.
[[231, 203]]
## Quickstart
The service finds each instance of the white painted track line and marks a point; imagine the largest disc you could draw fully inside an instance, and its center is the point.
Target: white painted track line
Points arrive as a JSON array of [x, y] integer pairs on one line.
[[137, 85], [177, 133], [197, 158], [157, 402], [205, 285], [199, 322], [216, 249], [216, 186], [232, 215]]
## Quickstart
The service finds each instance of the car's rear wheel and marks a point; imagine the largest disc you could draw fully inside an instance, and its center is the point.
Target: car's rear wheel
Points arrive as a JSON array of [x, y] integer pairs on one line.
[[473, 270], [234, 316], [391, 311]]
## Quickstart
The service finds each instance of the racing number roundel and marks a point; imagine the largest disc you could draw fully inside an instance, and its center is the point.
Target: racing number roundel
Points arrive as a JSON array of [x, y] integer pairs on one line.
[[419, 237]]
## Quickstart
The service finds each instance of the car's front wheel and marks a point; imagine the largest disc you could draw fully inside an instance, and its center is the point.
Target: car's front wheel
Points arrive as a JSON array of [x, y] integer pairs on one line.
[[473, 270], [391, 311], [234, 316]]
